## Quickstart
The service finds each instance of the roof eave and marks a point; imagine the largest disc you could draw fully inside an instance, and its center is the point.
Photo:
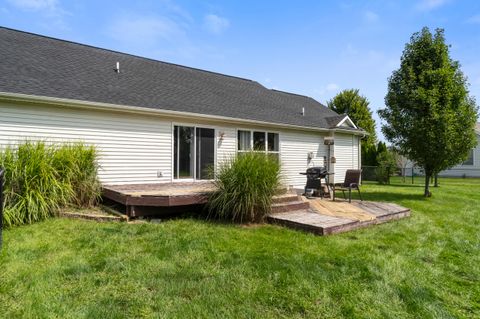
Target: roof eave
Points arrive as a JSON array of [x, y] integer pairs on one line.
[[27, 98]]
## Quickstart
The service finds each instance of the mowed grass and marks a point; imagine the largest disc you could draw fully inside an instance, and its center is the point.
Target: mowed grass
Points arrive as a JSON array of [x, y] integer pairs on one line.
[[426, 266]]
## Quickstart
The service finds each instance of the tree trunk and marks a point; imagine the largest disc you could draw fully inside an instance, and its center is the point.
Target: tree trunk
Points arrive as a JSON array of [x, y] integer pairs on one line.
[[427, 185], [436, 181]]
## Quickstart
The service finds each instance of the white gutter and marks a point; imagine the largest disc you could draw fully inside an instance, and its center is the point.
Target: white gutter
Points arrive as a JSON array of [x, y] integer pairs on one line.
[[19, 97]]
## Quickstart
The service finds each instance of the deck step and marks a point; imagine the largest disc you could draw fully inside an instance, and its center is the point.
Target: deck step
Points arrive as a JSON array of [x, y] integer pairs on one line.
[[285, 198], [289, 206], [313, 220]]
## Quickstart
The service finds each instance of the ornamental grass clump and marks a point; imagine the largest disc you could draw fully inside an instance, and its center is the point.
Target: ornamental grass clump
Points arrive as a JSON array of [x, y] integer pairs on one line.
[[76, 165], [41, 178], [245, 187]]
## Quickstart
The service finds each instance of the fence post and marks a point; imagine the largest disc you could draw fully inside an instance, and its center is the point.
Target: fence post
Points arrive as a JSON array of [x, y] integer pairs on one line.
[[1, 207]]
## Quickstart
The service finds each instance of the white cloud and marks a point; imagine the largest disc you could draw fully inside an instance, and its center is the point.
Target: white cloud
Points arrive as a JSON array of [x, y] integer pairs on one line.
[[332, 87], [176, 10], [163, 36], [166, 34], [427, 5], [375, 55], [146, 31], [370, 16], [35, 5], [474, 19], [327, 89], [50, 10], [216, 24], [349, 50]]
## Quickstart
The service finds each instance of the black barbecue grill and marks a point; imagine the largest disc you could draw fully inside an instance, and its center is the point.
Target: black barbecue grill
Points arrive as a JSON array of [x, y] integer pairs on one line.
[[314, 180]]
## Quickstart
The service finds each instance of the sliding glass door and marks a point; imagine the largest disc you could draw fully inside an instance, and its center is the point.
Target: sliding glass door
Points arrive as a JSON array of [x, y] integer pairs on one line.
[[205, 153], [183, 152], [194, 152]]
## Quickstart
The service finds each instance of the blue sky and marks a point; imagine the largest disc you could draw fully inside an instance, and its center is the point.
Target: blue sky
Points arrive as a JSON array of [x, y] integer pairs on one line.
[[316, 48]]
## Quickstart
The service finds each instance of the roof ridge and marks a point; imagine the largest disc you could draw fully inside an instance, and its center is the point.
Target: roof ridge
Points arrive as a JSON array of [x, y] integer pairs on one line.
[[302, 95], [124, 53], [338, 115]]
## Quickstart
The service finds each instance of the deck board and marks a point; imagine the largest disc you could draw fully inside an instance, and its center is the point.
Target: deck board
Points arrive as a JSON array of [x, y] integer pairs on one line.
[[327, 217], [135, 196]]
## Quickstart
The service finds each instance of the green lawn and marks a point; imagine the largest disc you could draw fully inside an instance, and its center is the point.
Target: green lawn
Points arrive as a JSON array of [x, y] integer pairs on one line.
[[425, 266]]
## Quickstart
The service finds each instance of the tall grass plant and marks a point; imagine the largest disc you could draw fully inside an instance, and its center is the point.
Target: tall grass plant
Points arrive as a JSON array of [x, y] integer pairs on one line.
[[245, 186], [41, 178]]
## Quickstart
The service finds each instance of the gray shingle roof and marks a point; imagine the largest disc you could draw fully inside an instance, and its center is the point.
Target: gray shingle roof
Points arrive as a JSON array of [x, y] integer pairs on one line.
[[43, 66]]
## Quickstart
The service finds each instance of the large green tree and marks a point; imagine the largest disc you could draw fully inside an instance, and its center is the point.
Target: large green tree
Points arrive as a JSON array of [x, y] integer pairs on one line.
[[429, 115], [356, 106]]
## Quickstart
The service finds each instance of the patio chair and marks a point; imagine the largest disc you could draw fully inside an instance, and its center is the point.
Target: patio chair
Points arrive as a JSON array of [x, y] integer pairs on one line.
[[351, 181]]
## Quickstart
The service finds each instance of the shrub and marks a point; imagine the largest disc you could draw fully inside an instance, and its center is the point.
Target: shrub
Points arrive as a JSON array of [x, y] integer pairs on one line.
[[41, 178], [245, 187], [386, 166]]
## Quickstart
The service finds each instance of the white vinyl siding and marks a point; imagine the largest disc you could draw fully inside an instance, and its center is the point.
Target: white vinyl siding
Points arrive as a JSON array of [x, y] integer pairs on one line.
[[226, 147], [356, 154], [294, 149], [132, 148], [346, 154], [466, 170]]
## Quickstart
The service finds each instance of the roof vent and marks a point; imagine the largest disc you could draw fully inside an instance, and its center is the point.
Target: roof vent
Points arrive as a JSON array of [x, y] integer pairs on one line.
[[303, 111], [117, 67]]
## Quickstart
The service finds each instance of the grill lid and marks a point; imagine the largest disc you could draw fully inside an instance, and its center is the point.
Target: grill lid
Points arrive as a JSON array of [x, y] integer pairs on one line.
[[316, 170]]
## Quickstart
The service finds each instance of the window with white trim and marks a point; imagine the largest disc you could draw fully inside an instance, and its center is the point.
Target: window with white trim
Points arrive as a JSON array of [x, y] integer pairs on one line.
[[469, 161], [260, 141]]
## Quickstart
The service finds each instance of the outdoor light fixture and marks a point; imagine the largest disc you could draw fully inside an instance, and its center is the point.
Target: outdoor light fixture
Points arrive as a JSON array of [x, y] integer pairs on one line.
[[328, 140]]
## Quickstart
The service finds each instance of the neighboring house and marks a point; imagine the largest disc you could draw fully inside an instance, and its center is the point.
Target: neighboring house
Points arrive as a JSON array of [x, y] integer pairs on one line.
[[471, 167], [156, 122]]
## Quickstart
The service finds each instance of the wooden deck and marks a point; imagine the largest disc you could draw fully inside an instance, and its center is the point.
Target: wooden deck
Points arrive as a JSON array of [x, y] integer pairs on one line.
[[326, 217], [320, 216], [137, 197]]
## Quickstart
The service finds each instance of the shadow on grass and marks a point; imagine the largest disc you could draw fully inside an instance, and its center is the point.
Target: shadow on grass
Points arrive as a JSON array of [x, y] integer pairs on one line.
[[390, 196], [394, 184], [205, 216]]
